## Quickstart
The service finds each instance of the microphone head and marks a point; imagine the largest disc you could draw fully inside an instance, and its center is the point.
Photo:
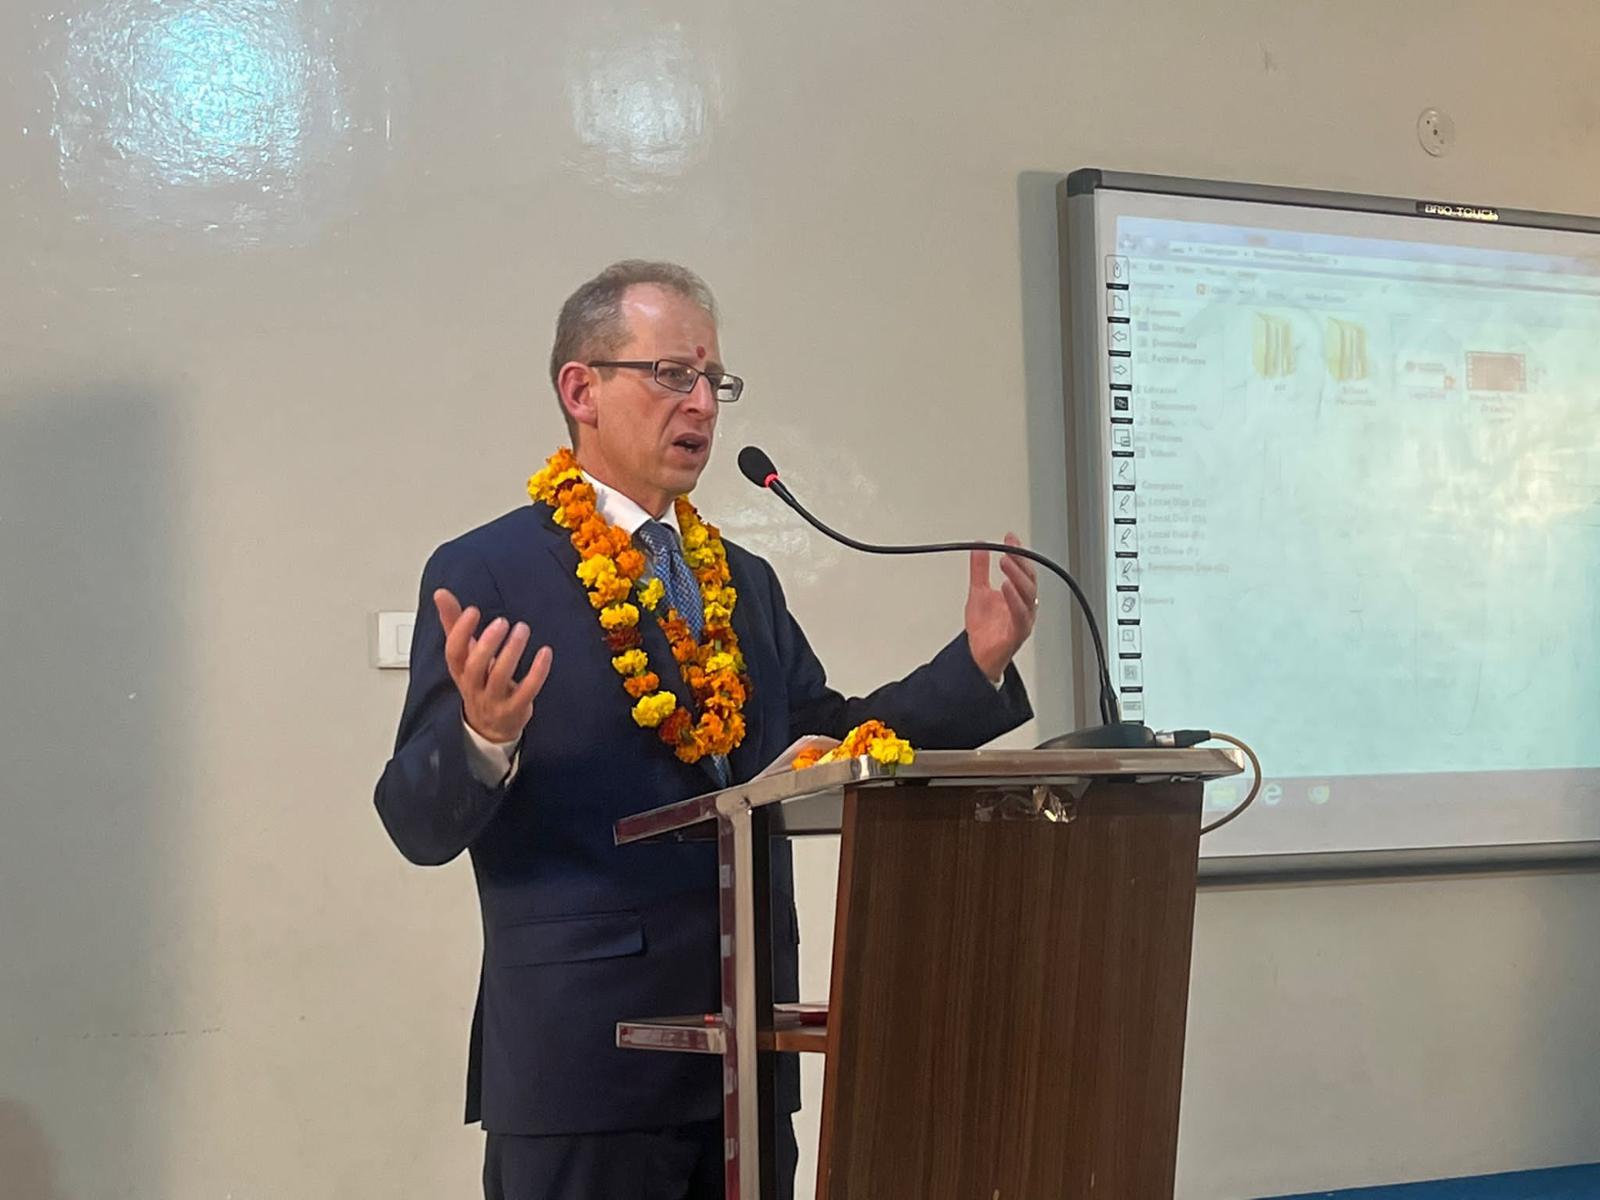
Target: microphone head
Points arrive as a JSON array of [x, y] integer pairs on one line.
[[757, 467]]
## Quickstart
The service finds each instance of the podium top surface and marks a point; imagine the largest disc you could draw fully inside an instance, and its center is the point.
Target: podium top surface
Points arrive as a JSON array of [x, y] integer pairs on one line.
[[810, 801]]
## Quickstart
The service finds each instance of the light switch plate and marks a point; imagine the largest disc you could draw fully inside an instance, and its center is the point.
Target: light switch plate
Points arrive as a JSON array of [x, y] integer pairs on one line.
[[389, 640]]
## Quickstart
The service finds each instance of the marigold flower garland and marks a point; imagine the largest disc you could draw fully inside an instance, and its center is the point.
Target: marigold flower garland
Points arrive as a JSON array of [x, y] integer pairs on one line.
[[610, 567], [872, 738]]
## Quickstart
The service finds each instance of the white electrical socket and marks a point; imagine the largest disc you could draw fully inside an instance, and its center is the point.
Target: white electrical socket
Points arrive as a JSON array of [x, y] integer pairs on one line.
[[1436, 132]]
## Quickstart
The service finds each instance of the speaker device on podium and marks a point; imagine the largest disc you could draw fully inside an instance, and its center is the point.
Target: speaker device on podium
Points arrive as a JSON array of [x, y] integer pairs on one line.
[[1010, 970]]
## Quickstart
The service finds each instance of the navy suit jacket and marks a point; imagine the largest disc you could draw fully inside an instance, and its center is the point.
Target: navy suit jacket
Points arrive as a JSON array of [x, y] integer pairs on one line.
[[578, 932]]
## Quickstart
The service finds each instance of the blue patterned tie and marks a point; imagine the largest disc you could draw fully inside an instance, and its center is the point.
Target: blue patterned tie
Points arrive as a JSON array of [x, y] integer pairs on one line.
[[683, 593], [667, 564]]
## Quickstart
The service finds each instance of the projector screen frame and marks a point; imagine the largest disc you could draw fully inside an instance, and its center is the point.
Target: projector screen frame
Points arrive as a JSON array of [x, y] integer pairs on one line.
[[1083, 381]]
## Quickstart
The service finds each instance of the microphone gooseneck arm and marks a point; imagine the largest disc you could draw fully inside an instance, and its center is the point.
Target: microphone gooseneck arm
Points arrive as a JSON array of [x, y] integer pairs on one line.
[[758, 468]]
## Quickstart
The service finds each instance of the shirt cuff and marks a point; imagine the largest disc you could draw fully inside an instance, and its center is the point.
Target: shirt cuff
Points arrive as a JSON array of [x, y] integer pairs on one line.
[[493, 764]]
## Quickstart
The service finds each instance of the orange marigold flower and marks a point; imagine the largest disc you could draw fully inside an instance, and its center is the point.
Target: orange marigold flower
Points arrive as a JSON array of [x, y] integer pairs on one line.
[[860, 739], [642, 685], [677, 631], [630, 562], [675, 727]]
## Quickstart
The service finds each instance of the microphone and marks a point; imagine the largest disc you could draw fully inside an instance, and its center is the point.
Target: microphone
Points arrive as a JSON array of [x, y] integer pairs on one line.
[[1112, 734]]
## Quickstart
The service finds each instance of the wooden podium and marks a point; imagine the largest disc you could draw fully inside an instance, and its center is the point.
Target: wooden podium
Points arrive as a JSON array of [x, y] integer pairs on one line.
[[1010, 971]]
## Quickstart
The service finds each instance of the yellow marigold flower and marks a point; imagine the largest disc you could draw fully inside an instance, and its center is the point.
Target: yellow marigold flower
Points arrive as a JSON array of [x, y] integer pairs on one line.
[[630, 662], [719, 662], [543, 483], [618, 616], [718, 614], [713, 592], [651, 710], [694, 537], [699, 559], [609, 591], [650, 595], [592, 570], [891, 751]]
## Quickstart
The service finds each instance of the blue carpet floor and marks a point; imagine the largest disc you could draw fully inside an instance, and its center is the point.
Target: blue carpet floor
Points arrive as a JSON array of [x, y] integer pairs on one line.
[[1559, 1183]]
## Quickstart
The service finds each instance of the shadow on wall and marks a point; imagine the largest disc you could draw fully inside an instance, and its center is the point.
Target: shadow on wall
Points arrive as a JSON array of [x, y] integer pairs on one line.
[[91, 795]]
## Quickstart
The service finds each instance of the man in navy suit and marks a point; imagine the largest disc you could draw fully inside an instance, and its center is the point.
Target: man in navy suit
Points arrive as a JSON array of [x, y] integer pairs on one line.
[[526, 758]]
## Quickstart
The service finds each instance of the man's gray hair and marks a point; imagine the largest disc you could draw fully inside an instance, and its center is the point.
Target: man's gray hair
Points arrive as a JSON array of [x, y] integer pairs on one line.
[[591, 325]]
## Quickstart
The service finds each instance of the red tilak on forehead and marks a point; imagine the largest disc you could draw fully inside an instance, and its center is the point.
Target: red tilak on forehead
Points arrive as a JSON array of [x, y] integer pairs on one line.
[[700, 351]]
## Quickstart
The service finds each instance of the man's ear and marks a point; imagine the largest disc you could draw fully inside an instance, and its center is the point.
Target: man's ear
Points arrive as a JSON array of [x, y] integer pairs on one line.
[[575, 385]]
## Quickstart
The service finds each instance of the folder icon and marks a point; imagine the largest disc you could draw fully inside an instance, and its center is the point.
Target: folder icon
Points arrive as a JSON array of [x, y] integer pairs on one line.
[[1272, 346], [1345, 347]]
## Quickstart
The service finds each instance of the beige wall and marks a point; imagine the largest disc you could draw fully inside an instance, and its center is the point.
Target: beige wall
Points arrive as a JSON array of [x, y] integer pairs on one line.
[[261, 349]]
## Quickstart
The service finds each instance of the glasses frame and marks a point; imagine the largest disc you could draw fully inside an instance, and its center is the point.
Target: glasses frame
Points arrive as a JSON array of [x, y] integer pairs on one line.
[[718, 379]]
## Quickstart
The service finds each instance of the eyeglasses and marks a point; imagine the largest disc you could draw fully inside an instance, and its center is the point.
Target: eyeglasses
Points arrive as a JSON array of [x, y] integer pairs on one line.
[[681, 377]]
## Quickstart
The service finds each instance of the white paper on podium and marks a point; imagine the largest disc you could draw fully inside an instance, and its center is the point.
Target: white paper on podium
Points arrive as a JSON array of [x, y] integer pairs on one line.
[[810, 741]]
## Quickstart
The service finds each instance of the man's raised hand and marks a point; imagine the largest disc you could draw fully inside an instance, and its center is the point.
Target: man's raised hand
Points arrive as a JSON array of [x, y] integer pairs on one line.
[[495, 705]]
